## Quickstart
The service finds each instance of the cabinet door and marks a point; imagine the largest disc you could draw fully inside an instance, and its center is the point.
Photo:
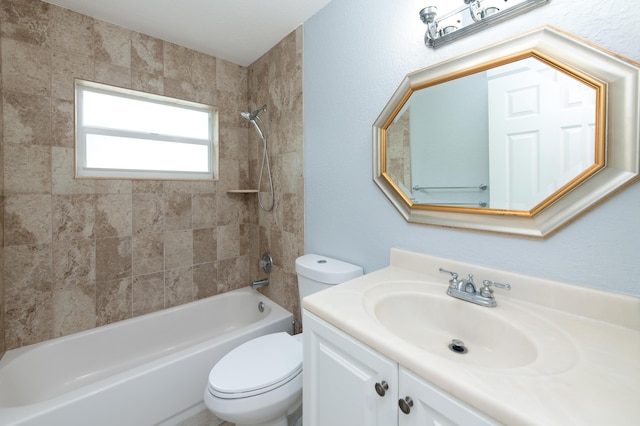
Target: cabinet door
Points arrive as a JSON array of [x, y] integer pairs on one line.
[[340, 377], [432, 406]]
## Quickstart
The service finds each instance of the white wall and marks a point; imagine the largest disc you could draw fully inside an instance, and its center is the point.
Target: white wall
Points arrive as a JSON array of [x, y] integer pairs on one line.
[[459, 121], [356, 52]]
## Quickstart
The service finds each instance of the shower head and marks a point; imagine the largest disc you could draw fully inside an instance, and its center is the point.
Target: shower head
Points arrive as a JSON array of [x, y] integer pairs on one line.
[[250, 116]]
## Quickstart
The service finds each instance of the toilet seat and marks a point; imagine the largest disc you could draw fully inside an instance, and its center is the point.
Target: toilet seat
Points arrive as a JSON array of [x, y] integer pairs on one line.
[[257, 366]]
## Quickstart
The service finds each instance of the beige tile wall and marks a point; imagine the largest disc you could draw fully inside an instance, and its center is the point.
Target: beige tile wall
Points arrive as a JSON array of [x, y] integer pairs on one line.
[[276, 80], [398, 152], [83, 253]]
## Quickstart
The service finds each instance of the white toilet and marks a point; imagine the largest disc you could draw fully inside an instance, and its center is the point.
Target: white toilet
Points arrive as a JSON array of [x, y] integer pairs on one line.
[[260, 382]]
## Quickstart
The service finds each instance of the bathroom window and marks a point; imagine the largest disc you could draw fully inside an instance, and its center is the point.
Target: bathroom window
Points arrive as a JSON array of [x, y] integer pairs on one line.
[[123, 133]]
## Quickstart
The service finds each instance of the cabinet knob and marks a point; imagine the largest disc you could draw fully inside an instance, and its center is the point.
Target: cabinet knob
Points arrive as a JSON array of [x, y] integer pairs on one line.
[[405, 404], [381, 388]]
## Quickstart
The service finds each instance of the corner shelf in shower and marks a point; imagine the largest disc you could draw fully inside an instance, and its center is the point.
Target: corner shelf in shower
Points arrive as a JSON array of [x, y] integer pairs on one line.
[[242, 191]]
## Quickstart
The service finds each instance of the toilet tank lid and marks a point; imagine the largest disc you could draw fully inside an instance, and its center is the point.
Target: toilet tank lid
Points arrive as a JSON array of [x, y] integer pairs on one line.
[[325, 269]]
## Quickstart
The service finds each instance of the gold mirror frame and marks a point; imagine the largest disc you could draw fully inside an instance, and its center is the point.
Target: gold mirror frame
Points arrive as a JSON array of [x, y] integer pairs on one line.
[[617, 161]]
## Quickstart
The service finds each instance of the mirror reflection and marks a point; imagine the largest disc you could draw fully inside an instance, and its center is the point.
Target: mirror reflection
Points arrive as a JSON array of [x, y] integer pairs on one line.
[[505, 138]]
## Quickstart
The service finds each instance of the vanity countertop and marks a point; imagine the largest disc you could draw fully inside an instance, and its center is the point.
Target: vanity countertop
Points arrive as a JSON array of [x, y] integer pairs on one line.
[[595, 374]]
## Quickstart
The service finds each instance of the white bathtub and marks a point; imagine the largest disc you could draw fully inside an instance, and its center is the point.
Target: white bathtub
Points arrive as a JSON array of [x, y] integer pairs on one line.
[[142, 371]]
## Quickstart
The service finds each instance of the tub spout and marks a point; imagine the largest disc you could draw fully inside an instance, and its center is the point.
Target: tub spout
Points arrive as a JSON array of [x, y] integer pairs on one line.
[[260, 283]]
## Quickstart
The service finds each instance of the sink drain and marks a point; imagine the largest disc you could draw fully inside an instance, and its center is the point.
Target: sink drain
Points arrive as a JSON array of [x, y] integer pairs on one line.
[[458, 346]]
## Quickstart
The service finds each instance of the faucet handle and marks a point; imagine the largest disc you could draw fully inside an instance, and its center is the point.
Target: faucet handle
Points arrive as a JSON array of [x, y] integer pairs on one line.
[[495, 284], [453, 274], [487, 291]]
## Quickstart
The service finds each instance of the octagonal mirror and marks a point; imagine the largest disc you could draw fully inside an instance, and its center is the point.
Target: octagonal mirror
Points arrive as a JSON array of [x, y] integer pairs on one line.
[[520, 137]]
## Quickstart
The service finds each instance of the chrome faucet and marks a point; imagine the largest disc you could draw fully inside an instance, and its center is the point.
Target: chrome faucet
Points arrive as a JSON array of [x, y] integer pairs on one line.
[[465, 289], [260, 283]]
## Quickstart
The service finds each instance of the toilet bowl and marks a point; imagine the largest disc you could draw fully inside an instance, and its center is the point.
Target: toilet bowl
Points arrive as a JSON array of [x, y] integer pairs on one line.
[[259, 383]]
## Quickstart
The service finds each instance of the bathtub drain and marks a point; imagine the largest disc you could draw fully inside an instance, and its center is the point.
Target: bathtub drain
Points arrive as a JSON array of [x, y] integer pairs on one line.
[[458, 346], [261, 307]]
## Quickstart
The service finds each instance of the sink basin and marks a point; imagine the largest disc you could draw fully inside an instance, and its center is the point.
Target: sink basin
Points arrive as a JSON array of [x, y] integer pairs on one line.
[[424, 316]]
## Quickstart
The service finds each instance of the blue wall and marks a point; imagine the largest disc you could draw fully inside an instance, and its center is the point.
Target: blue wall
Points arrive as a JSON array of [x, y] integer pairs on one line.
[[356, 53]]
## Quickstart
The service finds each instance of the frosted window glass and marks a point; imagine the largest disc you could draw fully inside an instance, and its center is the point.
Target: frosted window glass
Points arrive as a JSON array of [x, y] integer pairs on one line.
[[113, 112], [105, 152]]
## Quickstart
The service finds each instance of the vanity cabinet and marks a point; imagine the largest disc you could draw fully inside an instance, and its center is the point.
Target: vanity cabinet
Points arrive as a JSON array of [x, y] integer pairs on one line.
[[432, 406], [348, 383], [340, 378]]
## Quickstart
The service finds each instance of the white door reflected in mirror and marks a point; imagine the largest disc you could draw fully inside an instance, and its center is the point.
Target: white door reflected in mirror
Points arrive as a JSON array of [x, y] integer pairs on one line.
[[541, 132]]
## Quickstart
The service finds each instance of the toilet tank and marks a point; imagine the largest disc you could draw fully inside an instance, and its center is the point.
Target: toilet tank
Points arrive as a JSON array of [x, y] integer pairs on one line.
[[317, 273]]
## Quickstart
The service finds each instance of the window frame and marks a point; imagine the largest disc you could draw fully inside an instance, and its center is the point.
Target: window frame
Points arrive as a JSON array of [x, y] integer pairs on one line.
[[81, 131]]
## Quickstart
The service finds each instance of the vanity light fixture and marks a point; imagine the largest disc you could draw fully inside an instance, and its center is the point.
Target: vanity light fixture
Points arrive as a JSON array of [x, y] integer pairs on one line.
[[473, 16]]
